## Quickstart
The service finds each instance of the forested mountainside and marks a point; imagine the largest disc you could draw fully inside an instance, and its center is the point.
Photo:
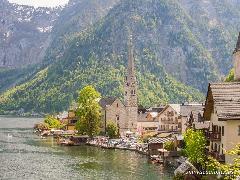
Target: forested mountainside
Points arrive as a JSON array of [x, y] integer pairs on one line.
[[179, 47]]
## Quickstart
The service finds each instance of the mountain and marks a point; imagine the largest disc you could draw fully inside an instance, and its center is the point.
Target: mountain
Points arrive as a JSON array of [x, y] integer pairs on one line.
[[180, 46], [29, 36], [24, 33]]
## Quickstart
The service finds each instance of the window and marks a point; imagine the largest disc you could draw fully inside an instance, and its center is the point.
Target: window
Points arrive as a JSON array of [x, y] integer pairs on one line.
[[73, 121], [117, 104], [222, 130], [117, 117], [125, 92]]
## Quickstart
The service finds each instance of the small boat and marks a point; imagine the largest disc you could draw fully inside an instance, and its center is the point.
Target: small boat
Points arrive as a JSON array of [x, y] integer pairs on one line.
[[9, 136], [66, 142]]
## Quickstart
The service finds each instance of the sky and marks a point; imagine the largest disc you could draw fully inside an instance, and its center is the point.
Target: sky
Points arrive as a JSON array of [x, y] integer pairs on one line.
[[40, 3]]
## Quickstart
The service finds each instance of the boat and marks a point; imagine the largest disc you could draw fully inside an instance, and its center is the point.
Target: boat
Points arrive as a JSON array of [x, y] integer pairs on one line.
[[9, 136]]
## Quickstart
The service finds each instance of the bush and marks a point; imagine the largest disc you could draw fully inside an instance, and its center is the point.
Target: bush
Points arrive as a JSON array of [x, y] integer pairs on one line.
[[169, 146], [53, 123], [112, 130]]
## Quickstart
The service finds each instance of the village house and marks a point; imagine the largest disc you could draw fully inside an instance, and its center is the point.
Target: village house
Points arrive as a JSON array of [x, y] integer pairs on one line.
[[147, 120], [192, 117], [222, 109], [169, 119]]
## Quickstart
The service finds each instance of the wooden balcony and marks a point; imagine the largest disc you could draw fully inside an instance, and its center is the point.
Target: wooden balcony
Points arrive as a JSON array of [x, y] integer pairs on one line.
[[214, 136], [217, 156]]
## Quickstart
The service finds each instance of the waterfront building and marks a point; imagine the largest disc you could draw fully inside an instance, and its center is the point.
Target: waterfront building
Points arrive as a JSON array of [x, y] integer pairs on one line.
[[71, 120]]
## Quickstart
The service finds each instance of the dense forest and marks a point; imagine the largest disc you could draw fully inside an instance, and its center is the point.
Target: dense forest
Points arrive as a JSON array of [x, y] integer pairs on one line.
[[178, 51]]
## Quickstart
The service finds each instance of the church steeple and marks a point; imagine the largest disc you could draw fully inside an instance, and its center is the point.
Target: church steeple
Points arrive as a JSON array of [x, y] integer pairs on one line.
[[130, 96], [131, 68], [236, 59]]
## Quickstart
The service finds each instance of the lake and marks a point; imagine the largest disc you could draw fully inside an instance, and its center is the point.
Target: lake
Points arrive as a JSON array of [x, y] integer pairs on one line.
[[24, 155]]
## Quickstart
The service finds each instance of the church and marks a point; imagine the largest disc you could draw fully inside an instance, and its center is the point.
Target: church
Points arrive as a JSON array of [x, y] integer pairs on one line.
[[124, 114]]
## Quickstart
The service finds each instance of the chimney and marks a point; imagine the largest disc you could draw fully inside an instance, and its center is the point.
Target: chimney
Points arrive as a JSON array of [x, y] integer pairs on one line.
[[236, 59]]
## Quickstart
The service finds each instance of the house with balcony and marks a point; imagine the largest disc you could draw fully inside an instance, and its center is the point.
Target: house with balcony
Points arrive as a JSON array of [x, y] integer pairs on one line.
[[222, 109], [169, 119]]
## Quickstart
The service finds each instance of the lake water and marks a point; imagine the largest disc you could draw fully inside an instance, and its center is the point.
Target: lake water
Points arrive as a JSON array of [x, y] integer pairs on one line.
[[23, 155]]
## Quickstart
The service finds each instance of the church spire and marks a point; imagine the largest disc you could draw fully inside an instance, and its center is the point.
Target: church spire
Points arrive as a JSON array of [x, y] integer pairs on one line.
[[131, 69], [238, 44]]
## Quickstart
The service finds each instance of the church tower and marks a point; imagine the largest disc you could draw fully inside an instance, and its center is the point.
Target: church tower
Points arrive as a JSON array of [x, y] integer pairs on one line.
[[236, 59], [130, 94]]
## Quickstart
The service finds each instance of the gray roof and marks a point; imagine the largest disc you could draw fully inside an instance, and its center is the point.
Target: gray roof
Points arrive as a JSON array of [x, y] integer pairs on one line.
[[106, 101], [225, 97], [160, 140], [195, 109]]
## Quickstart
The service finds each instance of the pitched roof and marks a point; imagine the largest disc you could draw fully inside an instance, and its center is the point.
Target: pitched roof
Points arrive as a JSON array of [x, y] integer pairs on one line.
[[175, 107], [106, 101], [225, 97], [195, 109]]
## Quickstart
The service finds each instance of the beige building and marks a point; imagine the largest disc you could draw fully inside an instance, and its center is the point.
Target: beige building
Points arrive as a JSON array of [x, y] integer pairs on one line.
[[170, 119], [148, 120], [222, 109]]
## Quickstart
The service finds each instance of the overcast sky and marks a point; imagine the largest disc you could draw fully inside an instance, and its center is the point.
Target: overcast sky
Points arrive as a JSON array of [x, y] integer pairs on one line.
[[40, 3]]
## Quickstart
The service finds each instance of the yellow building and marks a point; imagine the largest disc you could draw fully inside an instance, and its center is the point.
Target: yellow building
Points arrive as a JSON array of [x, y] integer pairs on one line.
[[71, 121], [222, 109]]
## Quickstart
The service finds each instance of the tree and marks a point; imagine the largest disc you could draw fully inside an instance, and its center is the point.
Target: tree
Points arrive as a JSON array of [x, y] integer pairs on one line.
[[169, 146], [112, 130], [88, 111], [233, 169], [53, 122], [195, 145], [230, 76]]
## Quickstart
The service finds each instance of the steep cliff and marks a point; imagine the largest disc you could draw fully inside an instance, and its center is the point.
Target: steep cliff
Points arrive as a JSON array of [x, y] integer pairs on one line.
[[25, 33]]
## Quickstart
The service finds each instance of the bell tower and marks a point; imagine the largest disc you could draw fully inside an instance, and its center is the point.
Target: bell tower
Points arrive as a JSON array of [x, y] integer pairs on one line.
[[130, 88], [236, 59]]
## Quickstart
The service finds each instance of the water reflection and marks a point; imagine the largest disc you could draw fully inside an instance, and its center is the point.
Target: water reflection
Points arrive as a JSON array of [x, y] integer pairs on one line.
[[27, 156]]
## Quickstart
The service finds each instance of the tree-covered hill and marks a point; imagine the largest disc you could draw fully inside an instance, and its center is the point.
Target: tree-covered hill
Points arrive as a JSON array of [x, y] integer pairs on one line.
[[176, 53]]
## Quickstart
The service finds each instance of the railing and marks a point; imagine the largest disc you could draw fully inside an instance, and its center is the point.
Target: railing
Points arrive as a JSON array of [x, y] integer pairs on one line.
[[214, 136]]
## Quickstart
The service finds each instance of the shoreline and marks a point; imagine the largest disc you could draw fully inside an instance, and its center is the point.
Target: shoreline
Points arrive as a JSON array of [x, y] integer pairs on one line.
[[16, 116], [119, 148]]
